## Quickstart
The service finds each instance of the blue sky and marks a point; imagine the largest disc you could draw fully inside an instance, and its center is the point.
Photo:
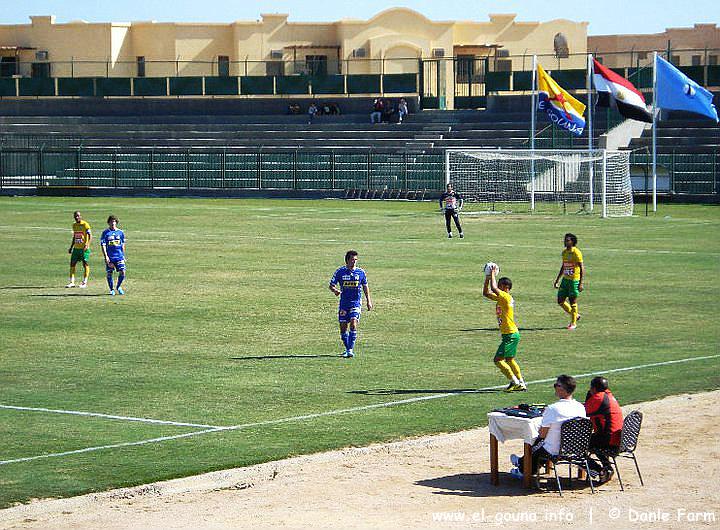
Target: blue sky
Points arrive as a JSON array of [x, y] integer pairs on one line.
[[605, 16]]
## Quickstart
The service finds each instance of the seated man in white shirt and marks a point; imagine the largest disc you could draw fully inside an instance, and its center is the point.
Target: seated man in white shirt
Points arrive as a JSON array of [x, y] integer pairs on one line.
[[553, 416]]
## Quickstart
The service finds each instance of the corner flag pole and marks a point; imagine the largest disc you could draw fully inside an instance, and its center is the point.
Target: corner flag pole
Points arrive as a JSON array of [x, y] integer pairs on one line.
[[588, 86], [532, 133], [654, 135]]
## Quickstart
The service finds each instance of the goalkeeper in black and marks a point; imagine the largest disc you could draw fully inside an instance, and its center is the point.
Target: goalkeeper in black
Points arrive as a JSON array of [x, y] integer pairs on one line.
[[453, 203]]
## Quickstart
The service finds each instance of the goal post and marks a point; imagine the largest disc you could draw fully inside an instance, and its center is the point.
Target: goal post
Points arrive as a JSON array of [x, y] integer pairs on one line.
[[543, 178]]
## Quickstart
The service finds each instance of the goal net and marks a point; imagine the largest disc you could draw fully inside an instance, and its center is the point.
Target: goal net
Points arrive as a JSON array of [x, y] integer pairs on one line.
[[595, 181]]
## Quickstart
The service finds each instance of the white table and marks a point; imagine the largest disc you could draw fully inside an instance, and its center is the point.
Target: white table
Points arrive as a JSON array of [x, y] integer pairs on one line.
[[503, 427]]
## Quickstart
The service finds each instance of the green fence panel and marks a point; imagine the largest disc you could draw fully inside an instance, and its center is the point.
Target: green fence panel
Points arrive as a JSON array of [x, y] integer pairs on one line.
[[400, 83], [37, 86], [363, 84], [256, 85], [186, 86], [470, 102], [291, 84], [713, 74], [570, 79], [522, 80], [351, 170], [76, 86], [112, 86], [241, 170], [430, 102], [276, 170], [696, 73], [7, 87], [642, 78], [328, 84], [496, 81], [150, 86], [221, 86]]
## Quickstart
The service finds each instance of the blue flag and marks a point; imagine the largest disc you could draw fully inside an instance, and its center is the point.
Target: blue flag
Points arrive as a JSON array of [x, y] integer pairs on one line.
[[676, 91]]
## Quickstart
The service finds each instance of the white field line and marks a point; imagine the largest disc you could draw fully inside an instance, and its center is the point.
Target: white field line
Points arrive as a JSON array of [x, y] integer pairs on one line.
[[110, 416], [304, 241], [348, 410]]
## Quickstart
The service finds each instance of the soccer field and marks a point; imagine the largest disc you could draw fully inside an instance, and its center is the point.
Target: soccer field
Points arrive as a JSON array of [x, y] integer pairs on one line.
[[225, 351]]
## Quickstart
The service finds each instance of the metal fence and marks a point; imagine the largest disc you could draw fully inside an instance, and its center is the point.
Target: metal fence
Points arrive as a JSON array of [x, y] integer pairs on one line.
[[294, 169], [289, 169]]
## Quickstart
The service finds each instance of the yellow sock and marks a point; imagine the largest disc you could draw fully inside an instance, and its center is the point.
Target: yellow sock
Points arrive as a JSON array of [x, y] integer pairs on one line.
[[515, 367], [86, 272], [574, 313], [566, 307], [72, 274], [504, 368]]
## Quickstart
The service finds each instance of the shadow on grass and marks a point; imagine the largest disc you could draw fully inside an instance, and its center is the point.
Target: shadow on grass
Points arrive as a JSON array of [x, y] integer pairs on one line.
[[66, 295], [495, 329], [401, 391], [476, 485], [271, 357], [28, 287]]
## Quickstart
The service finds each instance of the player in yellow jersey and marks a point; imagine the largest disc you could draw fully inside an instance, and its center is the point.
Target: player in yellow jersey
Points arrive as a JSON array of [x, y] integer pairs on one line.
[[80, 249], [572, 272], [499, 292]]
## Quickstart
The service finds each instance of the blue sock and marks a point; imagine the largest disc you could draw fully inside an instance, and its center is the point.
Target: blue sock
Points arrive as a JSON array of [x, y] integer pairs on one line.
[[345, 339], [110, 280], [121, 277], [351, 339]]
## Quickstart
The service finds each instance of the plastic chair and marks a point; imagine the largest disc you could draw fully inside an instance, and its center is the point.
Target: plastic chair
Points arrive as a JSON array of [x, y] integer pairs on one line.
[[574, 445], [628, 443]]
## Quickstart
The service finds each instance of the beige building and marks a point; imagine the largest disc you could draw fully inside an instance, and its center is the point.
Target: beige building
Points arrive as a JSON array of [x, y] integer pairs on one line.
[[696, 46], [393, 41]]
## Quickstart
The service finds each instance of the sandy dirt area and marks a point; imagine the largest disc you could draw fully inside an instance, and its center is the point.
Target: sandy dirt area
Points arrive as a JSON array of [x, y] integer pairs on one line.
[[430, 482]]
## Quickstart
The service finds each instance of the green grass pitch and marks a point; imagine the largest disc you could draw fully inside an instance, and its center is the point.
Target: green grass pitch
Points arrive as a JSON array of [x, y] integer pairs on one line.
[[228, 321]]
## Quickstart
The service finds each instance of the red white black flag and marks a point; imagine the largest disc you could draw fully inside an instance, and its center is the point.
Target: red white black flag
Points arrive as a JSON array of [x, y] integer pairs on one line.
[[615, 90]]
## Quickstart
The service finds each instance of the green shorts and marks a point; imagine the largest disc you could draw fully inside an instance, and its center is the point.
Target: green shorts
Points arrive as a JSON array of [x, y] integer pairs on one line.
[[508, 346], [568, 288], [79, 254]]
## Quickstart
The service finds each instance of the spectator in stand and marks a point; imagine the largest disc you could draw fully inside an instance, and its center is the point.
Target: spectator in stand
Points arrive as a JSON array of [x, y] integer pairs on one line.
[[326, 109], [402, 110], [293, 108], [312, 112], [334, 109], [388, 111], [377, 112]]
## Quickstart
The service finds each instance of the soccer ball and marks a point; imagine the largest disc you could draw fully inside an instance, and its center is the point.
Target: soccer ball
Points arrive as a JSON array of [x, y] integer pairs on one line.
[[489, 266]]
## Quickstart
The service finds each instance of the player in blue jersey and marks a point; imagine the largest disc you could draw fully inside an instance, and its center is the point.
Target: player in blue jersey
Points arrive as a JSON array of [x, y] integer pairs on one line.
[[352, 283], [112, 243]]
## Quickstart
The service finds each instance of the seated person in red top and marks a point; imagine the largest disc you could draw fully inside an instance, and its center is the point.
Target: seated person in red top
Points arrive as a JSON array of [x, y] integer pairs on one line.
[[604, 411]]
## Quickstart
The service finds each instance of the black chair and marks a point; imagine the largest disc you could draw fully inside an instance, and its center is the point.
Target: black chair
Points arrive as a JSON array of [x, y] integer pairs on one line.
[[628, 443], [574, 444]]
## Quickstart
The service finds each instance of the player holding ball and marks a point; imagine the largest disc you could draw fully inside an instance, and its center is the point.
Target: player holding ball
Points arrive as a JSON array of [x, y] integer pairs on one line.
[[499, 292]]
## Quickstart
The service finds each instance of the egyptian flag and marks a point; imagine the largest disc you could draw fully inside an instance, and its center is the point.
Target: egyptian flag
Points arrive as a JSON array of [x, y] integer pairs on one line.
[[615, 90]]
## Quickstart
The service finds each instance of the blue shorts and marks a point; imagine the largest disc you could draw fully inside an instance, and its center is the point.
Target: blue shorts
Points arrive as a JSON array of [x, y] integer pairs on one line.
[[118, 265], [347, 313]]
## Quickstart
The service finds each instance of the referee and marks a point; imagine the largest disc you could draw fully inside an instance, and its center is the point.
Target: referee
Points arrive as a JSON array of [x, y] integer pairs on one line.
[[453, 204]]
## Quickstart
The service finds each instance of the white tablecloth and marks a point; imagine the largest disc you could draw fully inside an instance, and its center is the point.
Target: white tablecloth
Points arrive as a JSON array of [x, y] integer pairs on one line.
[[505, 427]]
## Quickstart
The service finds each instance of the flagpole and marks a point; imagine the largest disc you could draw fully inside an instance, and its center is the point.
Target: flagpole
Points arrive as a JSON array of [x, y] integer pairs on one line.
[[532, 133], [588, 83], [654, 134]]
